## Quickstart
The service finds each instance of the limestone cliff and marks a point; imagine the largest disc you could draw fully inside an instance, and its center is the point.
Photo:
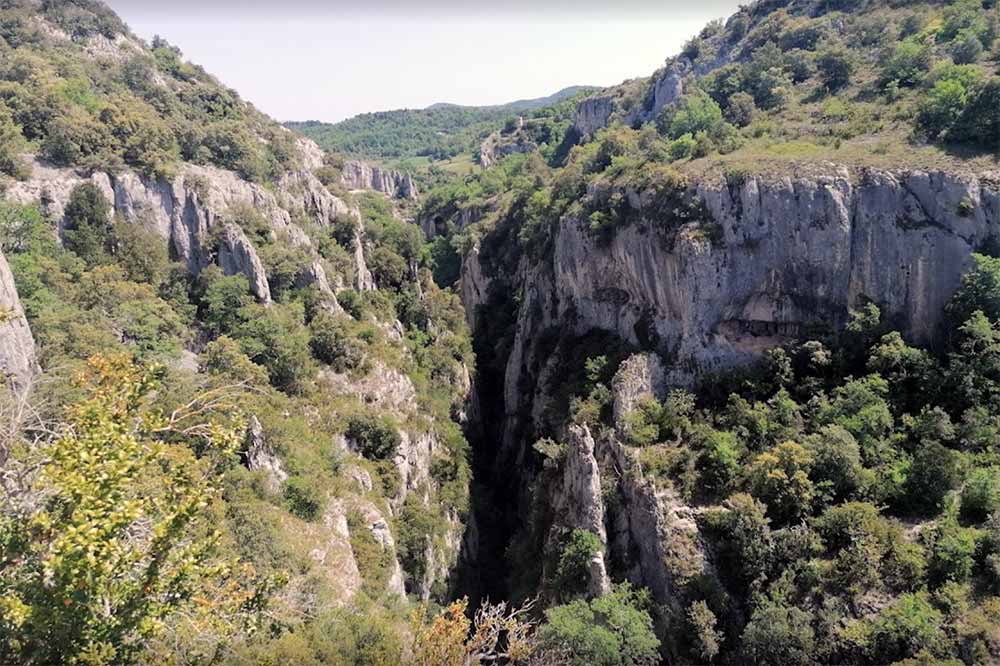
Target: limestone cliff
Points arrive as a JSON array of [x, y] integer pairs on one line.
[[194, 212], [17, 346], [764, 261], [358, 175]]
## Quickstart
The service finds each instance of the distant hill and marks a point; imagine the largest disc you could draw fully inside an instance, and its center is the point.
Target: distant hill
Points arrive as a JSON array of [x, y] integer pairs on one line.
[[523, 105], [438, 132]]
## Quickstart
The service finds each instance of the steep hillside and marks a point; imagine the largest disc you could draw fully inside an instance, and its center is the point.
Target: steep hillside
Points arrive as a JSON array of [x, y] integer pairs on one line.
[[702, 368], [233, 394], [728, 349], [439, 132]]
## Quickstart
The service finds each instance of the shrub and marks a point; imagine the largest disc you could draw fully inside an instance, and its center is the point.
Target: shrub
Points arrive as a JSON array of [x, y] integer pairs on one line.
[[303, 498], [907, 63], [778, 635], [613, 630], [88, 231], [707, 639], [835, 65], [741, 109], [376, 437], [981, 494], [572, 575], [333, 342]]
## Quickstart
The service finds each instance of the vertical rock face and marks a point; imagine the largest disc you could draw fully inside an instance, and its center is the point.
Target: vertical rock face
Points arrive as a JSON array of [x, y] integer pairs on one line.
[[17, 346], [764, 262], [238, 256], [578, 501], [364, 176], [260, 456], [199, 200], [593, 114]]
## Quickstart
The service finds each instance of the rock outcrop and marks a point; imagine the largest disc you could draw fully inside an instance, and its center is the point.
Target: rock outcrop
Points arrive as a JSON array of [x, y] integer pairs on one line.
[[238, 256], [259, 456], [358, 175], [199, 201], [507, 142], [592, 114], [766, 260], [787, 255], [17, 346]]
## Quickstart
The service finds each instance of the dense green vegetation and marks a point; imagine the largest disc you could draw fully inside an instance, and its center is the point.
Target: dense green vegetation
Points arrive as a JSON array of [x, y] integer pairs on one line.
[[136, 106], [438, 132], [847, 488]]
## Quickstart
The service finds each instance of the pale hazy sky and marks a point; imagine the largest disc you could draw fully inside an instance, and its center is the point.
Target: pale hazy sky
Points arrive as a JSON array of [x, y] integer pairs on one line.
[[308, 59]]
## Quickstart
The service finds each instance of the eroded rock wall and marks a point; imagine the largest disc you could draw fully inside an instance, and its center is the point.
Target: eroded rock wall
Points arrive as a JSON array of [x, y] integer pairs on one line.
[[17, 346]]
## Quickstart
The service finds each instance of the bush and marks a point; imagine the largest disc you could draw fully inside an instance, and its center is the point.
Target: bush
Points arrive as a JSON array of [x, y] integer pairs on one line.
[[333, 342], [88, 230], [303, 498], [981, 494], [907, 63], [572, 575], [778, 635], [613, 630], [376, 438], [741, 109], [835, 65]]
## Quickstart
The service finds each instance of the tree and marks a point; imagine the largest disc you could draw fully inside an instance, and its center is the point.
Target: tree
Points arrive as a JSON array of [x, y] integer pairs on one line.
[[907, 63], [333, 342], [276, 338], [780, 477], [741, 109], [572, 575], [696, 112], [835, 64], [113, 540], [778, 635], [496, 634], [223, 299], [979, 123], [88, 230], [707, 639], [12, 144], [376, 438], [613, 630]]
